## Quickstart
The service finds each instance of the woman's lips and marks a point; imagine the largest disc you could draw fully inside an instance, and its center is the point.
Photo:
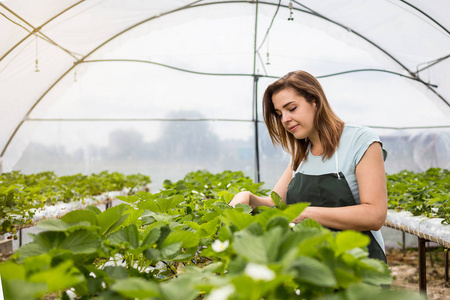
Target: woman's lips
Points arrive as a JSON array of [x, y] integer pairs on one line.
[[293, 128]]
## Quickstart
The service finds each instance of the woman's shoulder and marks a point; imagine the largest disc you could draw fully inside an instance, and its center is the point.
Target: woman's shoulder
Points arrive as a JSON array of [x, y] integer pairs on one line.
[[358, 138], [355, 131]]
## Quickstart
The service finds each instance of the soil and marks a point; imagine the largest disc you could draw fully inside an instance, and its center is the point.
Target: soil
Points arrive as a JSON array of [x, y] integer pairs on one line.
[[405, 271]]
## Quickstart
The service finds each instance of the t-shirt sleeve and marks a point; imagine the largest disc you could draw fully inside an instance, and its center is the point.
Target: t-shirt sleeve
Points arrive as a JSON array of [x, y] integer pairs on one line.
[[365, 137]]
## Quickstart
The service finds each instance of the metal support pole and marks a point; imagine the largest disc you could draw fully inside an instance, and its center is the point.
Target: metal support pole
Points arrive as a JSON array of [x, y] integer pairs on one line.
[[403, 241], [255, 120], [422, 266], [255, 97], [20, 237], [431, 255], [446, 265]]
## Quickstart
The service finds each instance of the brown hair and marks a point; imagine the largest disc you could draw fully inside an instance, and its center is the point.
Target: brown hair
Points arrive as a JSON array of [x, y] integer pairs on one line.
[[326, 122]]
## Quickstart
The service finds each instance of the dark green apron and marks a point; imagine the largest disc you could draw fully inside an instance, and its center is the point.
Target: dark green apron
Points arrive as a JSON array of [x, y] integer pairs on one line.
[[328, 190]]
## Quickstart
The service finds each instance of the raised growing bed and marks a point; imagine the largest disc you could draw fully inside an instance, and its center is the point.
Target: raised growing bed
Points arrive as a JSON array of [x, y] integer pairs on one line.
[[430, 229], [26, 199], [420, 205]]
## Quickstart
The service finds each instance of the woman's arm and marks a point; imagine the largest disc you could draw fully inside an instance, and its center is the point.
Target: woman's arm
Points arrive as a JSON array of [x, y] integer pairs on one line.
[[255, 201], [371, 214]]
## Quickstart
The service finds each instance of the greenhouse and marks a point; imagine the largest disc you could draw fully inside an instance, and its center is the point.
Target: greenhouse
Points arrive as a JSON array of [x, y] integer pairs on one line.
[[128, 126]]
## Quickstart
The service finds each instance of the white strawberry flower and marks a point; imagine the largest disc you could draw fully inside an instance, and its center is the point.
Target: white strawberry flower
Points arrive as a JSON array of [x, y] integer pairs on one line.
[[219, 246], [259, 272], [292, 225], [221, 293]]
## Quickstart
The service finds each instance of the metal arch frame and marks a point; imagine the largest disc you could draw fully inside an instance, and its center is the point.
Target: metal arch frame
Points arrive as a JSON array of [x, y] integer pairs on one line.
[[38, 30], [194, 5], [413, 74], [426, 15]]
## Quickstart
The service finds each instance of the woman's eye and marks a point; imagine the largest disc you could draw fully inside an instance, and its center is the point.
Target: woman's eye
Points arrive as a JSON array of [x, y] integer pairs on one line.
[[292, 109]]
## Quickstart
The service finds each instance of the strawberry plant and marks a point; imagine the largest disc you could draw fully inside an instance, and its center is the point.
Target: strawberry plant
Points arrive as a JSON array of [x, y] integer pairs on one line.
[[426, 193], [186, 242], [21, 195]]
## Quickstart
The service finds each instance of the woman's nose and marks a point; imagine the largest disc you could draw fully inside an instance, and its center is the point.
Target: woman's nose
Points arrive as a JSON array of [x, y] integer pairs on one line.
[[285, 118]]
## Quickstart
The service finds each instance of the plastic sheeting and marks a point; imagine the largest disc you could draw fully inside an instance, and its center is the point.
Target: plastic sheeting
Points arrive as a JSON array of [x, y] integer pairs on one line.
[[429, 229], [166, 87]]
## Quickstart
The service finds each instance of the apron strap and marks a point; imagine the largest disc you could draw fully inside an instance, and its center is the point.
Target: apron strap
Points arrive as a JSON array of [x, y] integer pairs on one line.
[[336, 160], [337, 164]]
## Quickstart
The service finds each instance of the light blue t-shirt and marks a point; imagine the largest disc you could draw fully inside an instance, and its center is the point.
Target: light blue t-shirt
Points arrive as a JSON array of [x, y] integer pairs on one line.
[[354, 142]]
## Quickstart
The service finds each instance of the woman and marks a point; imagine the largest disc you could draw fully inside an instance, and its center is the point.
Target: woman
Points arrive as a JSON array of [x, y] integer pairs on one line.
[[337, 167]]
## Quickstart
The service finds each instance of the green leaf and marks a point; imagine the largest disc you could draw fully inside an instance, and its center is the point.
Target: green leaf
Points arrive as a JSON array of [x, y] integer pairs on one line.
[[193, 225], [170, 251], [246, 209], [312, 240], [373, 264], [313, 271], [254, 229], [358, 253], [225, 233], [278, 201], [116, 273], [225, 196], [128, 234], [369, 292], [272, 241], [164, 232], [345, 277], [220, 206], [183, 257], [42, 243], [111, 219], [93, 209], [162, 205], [239, 219], [59, 225], [187, 238], [294, 210], [61, 277], [133, 217], [347, 240], [129, 199], [81, 242], [153, 254], [374, 271], [151, 237], [136, 288], [10, 270], [209, 229], [251, 247], [31, 249], [170, 203], [307, 224], [278, 221], [94, 285], [80, 215], [21, 289], [179, 289]]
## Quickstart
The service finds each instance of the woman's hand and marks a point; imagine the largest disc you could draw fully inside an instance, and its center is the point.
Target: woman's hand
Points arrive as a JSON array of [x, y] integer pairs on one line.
[[304, 215], [242, 197]]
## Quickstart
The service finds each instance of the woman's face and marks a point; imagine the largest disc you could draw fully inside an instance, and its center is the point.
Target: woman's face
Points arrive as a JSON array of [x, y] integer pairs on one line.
[[297, 114]]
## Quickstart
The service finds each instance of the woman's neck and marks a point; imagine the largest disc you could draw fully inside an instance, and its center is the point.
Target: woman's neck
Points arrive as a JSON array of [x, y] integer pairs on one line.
[[316, 145], [316, 149]]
